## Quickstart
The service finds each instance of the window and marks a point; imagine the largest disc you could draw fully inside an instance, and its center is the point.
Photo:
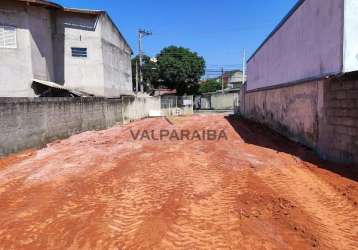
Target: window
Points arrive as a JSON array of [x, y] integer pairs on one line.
[[8, 37], [79, 52]]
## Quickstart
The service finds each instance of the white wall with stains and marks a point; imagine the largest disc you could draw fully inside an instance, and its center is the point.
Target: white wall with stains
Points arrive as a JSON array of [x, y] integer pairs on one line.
[[308, 45]]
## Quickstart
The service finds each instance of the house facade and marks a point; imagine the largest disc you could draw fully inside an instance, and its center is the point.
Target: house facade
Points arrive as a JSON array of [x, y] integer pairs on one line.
[[303, 80], [44, 43], [233, 79]]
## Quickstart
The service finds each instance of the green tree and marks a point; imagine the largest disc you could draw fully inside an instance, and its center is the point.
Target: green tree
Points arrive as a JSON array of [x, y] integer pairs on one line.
[[150, 72], [211, 85], [180, 69]]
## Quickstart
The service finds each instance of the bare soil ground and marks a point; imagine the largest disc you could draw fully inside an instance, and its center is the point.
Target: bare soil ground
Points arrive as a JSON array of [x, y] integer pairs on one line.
[[104, 190]]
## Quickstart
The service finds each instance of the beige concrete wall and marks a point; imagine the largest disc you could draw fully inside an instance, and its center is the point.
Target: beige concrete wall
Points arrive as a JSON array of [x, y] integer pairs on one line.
[[320, 114], [219, 101], [291, 110], [223, 101]]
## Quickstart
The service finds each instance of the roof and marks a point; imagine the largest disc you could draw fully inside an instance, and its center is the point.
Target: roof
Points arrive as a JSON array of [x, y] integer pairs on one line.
[[61, 87], [278, 27], [75, 10], [99, 12], [43, 3], [232, 72], [161, 92], [84, 11]]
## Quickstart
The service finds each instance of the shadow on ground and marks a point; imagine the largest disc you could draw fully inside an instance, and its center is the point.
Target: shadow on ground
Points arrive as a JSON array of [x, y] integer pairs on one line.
[[260, 135]]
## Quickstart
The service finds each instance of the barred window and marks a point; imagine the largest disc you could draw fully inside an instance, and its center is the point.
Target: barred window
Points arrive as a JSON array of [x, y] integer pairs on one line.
[[79, 52], [8, 37]]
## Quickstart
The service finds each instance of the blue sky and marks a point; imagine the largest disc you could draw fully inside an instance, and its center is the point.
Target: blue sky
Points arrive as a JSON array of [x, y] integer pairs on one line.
[[217, 30]]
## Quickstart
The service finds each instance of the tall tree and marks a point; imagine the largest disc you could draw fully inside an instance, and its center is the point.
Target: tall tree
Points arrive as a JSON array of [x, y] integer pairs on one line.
[[180, 69], [211, 85]]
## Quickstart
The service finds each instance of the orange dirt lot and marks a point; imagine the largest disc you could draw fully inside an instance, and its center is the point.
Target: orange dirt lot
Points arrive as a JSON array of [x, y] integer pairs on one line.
[[104, 190]]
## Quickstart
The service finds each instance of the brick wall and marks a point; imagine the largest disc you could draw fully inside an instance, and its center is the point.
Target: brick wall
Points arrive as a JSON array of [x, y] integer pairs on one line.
[[341, 111], [321, 114]]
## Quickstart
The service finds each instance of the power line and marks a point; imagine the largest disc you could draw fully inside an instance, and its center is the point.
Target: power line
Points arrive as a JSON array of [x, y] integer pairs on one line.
[[223, 30]]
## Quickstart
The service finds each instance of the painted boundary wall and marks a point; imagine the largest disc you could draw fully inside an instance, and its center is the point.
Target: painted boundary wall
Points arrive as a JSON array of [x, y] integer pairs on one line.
[[322, 114], [307, 44], [219, 101], [33, 122]]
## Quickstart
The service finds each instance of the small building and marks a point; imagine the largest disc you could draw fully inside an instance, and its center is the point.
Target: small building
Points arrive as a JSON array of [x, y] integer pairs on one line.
[[44, 45], [164, 92], [233, 79], [303, 79]]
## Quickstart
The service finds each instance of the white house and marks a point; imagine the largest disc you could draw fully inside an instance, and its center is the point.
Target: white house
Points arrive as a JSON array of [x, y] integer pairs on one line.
[[44, 45]]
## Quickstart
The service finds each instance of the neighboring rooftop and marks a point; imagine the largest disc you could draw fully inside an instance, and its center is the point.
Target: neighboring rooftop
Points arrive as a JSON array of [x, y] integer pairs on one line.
[[43, 3], [49, 4]]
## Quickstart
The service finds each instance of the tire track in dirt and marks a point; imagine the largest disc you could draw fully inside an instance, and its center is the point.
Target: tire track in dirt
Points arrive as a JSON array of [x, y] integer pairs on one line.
[[334, 216], [103, 190], [209, 216]]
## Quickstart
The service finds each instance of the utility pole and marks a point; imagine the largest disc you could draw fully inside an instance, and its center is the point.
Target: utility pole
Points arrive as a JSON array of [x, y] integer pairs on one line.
[[136, 78], [244, 68], [141, 34], [222, 80]]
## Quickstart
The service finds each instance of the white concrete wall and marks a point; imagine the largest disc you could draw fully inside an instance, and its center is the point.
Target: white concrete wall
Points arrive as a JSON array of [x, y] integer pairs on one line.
[[350, 61], [40, 26], [16, 64], [44, 41], [107, 69], [308, 45], [84, 74], [135, 108], [116, 59]]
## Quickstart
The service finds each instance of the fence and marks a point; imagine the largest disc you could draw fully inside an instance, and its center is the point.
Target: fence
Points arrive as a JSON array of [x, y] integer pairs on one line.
[[177, 105], [33, 122]]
